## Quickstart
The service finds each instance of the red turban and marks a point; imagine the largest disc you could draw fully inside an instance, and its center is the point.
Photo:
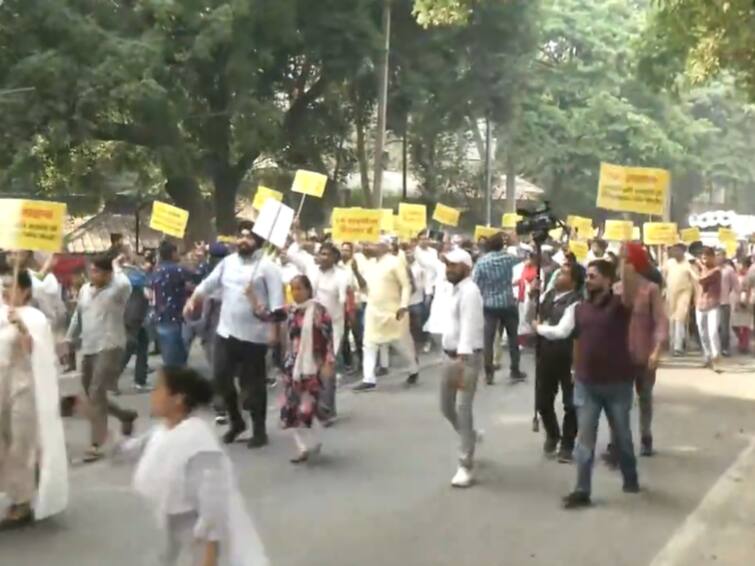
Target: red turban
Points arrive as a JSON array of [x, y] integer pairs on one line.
[[638, 257]]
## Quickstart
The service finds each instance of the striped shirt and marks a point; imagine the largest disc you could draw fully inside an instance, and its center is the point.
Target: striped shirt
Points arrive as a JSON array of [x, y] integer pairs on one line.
[[494, 274]]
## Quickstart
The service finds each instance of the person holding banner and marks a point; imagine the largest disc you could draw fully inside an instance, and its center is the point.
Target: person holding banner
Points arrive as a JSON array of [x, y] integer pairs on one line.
[[386, 316], [33, 462], [98, 322], [244, 331], [680, 286]]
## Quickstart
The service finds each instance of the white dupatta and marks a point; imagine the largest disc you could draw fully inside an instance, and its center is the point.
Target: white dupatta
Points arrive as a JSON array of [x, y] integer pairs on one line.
[[305, 364]]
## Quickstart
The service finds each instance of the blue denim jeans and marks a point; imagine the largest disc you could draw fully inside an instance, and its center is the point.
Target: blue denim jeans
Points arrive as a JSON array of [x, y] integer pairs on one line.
[[172, 345], [616, 400]]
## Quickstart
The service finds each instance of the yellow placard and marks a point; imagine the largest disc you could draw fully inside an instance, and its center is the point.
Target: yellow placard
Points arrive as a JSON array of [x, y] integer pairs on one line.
[[618, 230], [510, 219], [309, 183], [582, 225], [386, 220], [227, 239], [580, 249], [262, 194], [689, 235], [356, 225], [556, 234], [446, 215], [413, 216], [169, 219], [636, 234], [33, 225], [633, 189], [731, 248], [726, 235], [660, 233], [484, 232], [404, 234]]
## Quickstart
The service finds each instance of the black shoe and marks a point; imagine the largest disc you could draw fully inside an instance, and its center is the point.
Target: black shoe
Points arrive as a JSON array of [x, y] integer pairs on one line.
[[412, 379], [257, 441], [550, 446], [489, 379], [233, 433], [363, 387], [632, 487], [517, 376], [127, 424], [576, 500], [565, 456], [23, 515], [646, 449]]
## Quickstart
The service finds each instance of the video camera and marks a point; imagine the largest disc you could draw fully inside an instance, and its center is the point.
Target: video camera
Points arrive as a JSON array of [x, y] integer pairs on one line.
[[537, 222]]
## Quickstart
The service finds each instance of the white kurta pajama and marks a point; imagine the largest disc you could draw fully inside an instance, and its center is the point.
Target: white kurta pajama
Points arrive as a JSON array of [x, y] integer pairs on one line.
[[31, 429], [188, 480], [388, 290]]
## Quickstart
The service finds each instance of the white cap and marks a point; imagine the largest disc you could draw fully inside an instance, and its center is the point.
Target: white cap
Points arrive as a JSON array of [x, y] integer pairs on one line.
[[458, 255]]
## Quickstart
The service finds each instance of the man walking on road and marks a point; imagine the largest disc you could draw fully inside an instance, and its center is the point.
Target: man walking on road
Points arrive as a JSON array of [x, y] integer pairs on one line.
[[604, 375], [386, 320], [462, 343], [555, 332], [243, 332], [98, 322], [493, 275]]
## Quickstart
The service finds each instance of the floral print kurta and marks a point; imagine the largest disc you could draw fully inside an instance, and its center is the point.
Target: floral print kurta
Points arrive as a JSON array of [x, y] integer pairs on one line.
[[300, 403]]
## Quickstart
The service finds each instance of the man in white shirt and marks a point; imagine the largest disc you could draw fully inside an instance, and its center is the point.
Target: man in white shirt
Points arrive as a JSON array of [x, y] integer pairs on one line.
[[98, 323], [555, 334], [417, 300], [463, 343], [252, 300]]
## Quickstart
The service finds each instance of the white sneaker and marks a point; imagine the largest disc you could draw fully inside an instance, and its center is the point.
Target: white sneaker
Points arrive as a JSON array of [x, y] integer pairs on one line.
[[463, 478]]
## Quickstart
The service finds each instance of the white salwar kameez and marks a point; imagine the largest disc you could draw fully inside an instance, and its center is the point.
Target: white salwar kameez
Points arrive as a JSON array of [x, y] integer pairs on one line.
[[188, 480]]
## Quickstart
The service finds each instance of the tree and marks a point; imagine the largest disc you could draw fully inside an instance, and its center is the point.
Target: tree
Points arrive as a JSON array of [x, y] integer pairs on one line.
[[585, 104], [199, 88], [703, 38]]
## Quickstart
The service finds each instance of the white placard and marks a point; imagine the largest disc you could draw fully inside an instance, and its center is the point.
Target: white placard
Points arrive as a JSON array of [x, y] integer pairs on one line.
[[274, 222]]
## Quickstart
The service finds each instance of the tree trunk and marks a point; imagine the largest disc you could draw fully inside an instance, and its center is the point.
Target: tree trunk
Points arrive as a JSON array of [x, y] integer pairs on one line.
[[226, 184], [185, 194], [364, 168]]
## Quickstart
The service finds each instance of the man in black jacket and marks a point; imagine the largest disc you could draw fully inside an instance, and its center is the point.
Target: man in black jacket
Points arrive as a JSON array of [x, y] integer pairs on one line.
[[555, 329]]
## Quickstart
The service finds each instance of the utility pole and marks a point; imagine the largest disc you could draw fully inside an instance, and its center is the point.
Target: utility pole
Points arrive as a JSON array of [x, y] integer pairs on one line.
[[377, 185], [488, 173]]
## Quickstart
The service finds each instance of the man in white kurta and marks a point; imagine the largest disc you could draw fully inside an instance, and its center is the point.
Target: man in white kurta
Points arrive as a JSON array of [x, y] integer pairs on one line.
[[33, 462], [386, 320], [680, 286]]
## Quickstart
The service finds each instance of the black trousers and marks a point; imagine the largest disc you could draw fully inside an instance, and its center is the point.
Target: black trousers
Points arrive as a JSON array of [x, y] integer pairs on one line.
[[247, 360], [554, 371], [508, 319]]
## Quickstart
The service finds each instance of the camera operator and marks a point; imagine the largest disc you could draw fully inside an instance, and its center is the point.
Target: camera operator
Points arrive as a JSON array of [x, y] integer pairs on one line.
[[555, 334]]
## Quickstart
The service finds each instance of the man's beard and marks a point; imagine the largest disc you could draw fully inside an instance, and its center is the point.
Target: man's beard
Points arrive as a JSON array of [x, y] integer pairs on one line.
[[245, 251]]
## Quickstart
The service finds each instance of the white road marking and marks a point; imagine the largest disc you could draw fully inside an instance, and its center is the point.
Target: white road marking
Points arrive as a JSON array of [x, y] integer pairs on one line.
[[695, 525]]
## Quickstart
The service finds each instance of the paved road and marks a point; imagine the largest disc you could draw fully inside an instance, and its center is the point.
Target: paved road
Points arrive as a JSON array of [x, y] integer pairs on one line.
[[381, 494]]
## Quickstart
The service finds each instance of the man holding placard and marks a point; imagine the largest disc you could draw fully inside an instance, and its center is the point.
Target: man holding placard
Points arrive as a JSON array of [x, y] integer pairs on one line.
[[244, 329]]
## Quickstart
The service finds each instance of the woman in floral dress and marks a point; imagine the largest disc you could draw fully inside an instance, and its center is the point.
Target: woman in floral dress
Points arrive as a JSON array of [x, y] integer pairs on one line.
[[309, 361]]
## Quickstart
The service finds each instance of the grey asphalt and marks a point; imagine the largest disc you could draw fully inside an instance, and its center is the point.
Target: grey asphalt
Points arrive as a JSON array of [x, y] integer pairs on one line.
[[380, 494]]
